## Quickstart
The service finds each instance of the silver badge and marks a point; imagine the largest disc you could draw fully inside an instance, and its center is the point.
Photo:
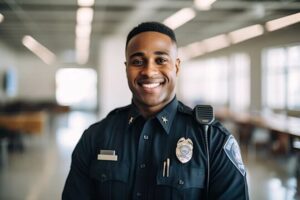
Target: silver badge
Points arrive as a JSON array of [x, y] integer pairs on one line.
[[184, 150]]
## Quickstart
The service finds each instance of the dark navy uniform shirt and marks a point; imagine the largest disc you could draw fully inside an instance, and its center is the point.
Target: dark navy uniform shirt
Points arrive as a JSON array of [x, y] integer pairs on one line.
[[142, 146]]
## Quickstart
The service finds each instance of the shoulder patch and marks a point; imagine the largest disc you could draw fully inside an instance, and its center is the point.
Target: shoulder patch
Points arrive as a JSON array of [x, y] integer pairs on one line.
[[232, 151]]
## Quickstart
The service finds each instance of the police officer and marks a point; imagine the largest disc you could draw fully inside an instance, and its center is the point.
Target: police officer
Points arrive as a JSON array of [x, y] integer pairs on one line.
[[154, 148]]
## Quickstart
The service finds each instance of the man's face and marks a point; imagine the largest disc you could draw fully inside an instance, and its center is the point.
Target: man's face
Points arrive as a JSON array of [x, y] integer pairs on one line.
[[152, 67]]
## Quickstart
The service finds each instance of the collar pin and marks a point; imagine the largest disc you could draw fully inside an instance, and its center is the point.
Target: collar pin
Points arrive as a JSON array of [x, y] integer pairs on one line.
[[164, 119], [130, 120]]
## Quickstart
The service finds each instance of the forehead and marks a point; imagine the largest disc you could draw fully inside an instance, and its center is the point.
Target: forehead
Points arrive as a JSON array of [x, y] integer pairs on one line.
[[150, 41]]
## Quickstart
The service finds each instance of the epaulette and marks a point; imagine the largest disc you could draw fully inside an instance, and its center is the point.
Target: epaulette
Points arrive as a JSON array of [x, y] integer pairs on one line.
[[219, 126], [184, 109], [118, 110]]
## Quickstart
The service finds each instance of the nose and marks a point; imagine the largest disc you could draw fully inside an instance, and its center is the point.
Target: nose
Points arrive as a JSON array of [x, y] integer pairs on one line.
[[150, 69]]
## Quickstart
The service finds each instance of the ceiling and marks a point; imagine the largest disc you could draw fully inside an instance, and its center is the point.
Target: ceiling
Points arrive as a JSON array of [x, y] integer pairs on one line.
[[53, 22]]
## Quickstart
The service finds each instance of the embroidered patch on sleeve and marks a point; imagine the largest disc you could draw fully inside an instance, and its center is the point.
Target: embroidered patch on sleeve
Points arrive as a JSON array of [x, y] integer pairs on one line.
[[232, 151]]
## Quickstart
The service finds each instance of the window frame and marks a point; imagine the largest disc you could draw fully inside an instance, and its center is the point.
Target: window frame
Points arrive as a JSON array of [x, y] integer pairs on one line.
[[286, 109]]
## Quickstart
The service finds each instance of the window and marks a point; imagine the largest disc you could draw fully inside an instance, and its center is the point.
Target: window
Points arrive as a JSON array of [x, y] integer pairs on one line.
[[275, 78], [282, 78], [239, 79], [205, 82], [293, 78], [77, 88]]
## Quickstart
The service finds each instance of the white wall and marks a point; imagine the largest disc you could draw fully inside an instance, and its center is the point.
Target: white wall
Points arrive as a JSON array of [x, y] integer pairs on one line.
[[113, 88], [36, 79]]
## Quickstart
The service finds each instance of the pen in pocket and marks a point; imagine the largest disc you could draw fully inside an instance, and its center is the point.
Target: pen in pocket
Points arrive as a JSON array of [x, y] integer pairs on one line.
[[166, 168]]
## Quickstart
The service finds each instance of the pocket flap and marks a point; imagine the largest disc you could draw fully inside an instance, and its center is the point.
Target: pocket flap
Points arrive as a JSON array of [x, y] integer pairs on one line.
[[109, 171], [183, 178]]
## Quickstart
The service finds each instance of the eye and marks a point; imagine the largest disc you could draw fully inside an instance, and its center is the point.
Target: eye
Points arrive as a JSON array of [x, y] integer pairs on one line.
[[137, 62], [161, 60]]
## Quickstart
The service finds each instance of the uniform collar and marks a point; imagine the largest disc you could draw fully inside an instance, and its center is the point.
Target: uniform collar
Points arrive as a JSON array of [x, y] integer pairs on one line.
[[133, 114], [165, 116]]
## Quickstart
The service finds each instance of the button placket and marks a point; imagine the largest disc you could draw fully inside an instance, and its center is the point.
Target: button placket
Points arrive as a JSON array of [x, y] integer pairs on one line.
[[143, 154]]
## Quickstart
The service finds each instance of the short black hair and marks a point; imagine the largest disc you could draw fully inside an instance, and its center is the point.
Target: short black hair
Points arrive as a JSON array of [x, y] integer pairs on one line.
[[151, 26]]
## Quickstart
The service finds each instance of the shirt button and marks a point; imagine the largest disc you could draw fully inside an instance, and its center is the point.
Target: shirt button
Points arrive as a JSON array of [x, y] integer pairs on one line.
[[146, 137], [180, 182], [103, 177], [142, 166]]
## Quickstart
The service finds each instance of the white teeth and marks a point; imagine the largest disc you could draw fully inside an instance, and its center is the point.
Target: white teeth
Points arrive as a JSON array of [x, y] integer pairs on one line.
[[151, 85]]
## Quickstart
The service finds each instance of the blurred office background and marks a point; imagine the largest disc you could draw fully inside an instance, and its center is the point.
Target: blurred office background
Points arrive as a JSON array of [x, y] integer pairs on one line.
[[61, 69]]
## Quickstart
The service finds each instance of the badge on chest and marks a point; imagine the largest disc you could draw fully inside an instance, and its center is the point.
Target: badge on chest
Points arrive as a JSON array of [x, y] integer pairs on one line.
[[184, 150]]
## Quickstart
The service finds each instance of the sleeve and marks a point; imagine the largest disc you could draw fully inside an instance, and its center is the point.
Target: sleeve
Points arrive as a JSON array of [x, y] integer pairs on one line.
[[227, 171], [78, 184]]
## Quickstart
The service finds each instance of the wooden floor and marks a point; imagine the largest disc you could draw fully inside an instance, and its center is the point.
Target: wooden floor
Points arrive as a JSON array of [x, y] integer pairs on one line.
[[40, 171]]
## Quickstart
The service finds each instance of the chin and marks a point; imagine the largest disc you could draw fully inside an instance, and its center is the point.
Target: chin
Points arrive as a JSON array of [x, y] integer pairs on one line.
[[151, 103], [154, 101]]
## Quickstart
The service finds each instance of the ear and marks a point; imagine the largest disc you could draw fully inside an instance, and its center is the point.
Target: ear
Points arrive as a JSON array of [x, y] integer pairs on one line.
[[177, 65]]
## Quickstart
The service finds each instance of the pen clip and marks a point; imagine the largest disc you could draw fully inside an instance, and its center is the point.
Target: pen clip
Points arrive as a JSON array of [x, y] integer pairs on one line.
[[168, 167], [164, 169]]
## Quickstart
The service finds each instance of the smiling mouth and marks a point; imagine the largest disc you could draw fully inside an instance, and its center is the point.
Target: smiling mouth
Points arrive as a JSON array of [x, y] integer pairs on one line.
[[150, 85]]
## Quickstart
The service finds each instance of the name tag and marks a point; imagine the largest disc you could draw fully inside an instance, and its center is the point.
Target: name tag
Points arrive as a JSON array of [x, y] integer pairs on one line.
[[107, 155]]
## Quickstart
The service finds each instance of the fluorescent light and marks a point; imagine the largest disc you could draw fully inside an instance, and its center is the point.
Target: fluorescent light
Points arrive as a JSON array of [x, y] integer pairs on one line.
[[38, 49], [82, 50], [205, 46], [203, 4], [86, 2], [85, 15], [216, 43], [82, 57], [192, 50], [283, 22], [179, 18], [1, 18], [83, 30], [246, 33], [82, 44], [219, 42]]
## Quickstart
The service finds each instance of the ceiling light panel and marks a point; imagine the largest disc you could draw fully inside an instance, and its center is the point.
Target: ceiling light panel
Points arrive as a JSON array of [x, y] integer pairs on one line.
[[283, 22], [179, 18], [246, 33]]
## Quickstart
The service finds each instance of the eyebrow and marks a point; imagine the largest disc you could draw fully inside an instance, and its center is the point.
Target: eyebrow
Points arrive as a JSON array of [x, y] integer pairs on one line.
[[136, 54], [142, 54]]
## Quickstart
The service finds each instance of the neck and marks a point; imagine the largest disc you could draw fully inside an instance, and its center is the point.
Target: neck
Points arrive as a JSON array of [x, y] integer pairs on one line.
[[150, 111]]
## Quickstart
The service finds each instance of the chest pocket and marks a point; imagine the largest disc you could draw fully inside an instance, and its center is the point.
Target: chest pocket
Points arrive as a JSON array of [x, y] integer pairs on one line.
[[110, 178], [183, 183]]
